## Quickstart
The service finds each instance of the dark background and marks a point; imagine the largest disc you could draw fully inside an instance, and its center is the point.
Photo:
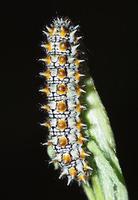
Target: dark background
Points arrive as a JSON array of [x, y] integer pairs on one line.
[[108, 35]]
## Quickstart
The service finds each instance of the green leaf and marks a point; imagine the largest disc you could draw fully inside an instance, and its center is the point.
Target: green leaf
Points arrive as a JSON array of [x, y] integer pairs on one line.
[[107, 182]]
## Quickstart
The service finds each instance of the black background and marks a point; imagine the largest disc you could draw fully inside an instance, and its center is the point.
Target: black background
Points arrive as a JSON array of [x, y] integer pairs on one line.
[[108, 35]]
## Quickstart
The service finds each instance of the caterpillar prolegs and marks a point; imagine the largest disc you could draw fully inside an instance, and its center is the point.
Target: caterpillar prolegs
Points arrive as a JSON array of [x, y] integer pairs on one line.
[[62, 75]]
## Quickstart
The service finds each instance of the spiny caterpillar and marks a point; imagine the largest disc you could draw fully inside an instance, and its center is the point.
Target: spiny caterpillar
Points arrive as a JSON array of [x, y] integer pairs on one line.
[[63, 105]]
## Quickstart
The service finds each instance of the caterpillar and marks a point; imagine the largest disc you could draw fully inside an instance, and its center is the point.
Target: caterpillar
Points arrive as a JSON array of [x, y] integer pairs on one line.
[[62, 89]]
